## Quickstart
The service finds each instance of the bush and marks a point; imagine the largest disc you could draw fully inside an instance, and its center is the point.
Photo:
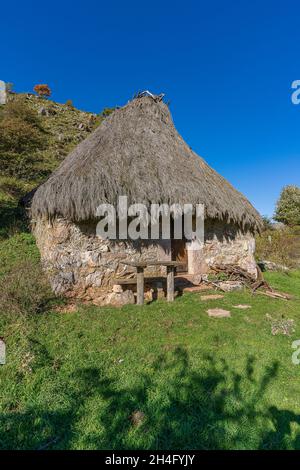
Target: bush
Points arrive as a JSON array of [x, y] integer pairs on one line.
[[106, 112], [17, 136], [42, 90], [267, 223], [280, 246], [21, 136], [17, 108], [69, 103]]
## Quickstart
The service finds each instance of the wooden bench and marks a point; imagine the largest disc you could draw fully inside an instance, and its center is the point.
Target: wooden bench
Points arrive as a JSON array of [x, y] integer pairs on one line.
[[140, 267]]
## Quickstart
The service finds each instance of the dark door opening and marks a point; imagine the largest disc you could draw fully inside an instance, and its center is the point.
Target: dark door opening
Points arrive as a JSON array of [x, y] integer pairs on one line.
[[179, 253]]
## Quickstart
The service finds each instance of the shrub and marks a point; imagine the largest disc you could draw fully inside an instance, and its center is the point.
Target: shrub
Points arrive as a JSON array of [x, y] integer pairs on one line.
[[106, 112], [267, 223], [9, 87], [17, 108], [280, 246], [69, 104], [21, 136], [17, 136]]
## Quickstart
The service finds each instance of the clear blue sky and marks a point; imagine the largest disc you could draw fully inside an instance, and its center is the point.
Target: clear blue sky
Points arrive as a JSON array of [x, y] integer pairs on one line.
[[226, 67]]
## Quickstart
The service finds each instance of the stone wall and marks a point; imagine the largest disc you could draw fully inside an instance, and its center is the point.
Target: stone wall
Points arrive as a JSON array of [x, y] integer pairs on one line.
[[79, 264], [224, 244]]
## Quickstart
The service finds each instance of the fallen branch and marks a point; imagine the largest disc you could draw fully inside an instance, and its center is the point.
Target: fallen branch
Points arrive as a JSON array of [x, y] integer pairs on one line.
[[213, 284], [276, 295]]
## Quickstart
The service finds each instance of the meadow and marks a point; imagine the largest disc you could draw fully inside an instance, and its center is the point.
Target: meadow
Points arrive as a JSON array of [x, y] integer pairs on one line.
[[160, 376]]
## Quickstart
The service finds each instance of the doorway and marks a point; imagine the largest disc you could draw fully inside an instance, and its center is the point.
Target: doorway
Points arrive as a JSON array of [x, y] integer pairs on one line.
[[179, 253]]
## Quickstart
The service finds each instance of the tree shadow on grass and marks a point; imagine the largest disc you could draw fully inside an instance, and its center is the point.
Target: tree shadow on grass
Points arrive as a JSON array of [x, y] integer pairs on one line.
[[181, 408]]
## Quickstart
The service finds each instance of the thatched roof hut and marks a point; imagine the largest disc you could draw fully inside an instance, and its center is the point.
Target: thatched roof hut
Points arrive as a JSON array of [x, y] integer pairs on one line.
[[135, 152], [138, 152]]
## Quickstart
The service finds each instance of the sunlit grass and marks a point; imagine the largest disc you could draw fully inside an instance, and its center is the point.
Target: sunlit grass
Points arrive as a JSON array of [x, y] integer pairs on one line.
[[73, 380]]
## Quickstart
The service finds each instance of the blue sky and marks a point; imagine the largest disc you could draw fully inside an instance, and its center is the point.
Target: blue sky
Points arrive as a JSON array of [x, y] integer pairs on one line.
[[226, 67]]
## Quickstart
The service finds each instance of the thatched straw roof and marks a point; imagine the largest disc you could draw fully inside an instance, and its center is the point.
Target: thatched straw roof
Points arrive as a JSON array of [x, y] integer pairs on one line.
[[137, 152]]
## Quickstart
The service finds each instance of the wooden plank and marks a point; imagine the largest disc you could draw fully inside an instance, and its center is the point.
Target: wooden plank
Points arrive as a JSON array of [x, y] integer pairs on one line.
[[144, 264], [140, 285], [170, 283], [124, 282]]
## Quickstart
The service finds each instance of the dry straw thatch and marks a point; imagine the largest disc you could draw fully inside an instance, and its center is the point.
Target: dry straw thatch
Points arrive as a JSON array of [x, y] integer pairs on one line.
[[137, 152]]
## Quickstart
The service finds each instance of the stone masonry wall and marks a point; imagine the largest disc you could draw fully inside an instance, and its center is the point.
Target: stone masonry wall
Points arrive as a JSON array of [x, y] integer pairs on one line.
[[224, 244], [81, 265]]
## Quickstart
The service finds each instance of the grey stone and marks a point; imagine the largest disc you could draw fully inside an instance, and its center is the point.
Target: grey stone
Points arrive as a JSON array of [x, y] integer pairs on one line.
[[94, 279], [117, 289], [212, 297], [229, 286], [218, 313], [43, 111], [119, 299], [242, 307]]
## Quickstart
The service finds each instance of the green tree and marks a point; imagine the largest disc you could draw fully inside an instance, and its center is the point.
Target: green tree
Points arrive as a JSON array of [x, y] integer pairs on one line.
[[288, 206]]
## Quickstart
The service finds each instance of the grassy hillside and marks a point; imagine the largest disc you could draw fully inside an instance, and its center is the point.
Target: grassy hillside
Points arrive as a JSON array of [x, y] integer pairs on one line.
[[53, 130]]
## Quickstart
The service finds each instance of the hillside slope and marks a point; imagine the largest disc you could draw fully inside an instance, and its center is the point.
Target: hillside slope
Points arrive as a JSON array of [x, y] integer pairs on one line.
[[56, 129]]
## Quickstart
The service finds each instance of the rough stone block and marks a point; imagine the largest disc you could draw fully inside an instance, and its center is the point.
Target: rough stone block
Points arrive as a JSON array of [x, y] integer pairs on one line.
[[218, 313]]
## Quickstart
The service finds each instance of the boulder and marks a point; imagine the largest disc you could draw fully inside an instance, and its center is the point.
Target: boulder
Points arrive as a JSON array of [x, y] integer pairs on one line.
[[118, 299], [43, 111]]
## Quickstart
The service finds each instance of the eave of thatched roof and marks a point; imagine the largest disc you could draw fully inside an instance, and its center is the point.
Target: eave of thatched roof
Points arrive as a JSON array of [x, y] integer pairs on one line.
[[137, 152]]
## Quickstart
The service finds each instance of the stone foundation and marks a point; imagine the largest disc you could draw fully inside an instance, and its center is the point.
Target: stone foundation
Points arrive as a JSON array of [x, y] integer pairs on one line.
[[81, 265]]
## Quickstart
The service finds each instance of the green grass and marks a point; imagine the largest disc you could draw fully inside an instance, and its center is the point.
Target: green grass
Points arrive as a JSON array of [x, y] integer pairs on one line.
[[72, 380]]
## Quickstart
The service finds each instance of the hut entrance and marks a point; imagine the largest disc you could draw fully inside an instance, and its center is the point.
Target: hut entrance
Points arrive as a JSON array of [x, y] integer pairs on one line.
[[179, 253]]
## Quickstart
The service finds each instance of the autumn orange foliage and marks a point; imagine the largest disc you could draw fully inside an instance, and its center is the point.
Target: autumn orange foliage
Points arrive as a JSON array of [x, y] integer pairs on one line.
[[42, 90]]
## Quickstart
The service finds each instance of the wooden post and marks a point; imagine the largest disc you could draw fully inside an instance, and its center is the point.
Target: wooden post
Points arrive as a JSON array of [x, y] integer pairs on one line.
[[140, 285], [170, 283]]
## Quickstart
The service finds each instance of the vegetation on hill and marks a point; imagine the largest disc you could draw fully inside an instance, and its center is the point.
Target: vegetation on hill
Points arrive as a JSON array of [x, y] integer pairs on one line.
[[35, 136], [281, 246], [280, 243]]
